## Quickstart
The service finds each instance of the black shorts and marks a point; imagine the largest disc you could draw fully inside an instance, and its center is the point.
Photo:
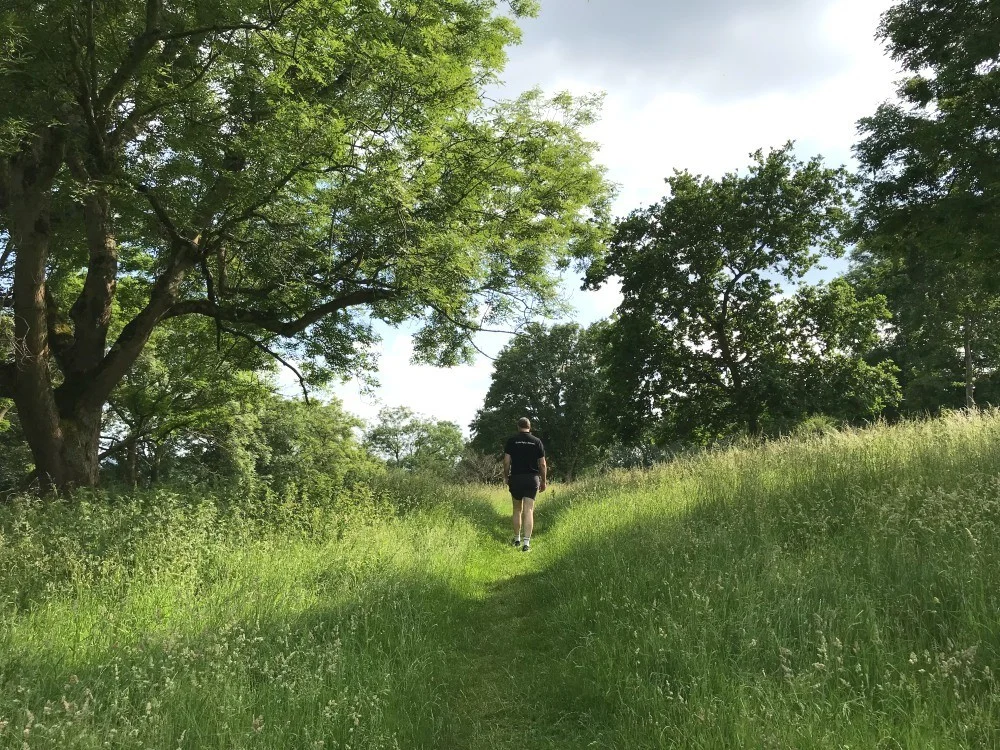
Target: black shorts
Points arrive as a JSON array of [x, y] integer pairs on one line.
[[524, 486]]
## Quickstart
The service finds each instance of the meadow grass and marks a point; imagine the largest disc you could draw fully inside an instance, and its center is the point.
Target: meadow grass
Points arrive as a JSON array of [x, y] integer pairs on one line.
[[838, 591]]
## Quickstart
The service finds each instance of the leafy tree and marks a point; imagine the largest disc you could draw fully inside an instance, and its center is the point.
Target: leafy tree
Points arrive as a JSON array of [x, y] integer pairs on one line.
[[406, 440], [551, 376], [943, 334], [703, 343], [831, 335], [932, 182], [392, 438], [930, 157], [310, 449], [290, 170], [438, 447], [271, 445], [181, 391]]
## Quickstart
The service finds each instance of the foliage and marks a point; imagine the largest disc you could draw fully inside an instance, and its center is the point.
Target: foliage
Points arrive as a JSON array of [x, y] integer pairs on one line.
[[944, 322], [930, 157], [189, 412], [931, 179], [290, 171], [409, 441], [704, 344], [15, 458], [309, 450], [551, 376], [182, 395]]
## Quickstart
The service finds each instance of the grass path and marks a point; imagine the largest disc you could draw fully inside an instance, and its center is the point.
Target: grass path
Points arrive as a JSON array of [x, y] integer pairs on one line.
[[497, 670]]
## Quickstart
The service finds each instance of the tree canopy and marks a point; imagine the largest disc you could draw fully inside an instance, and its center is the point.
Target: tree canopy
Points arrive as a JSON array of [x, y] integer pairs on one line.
[[406, 440], [706, 342], [931, 180], [929, 158], [291, 171]]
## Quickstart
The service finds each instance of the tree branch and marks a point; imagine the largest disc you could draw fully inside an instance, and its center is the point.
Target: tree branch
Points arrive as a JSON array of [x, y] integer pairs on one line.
[[134, 58], [173, 233], [265, 199], [275, 355], [216, 29], [152, 34], [136, 333], [133, 122], [115, 447], [276, 325], [471, 327]]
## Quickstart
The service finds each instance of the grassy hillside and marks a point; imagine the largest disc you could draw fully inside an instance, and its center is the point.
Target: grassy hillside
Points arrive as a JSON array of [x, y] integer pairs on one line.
[[833, 592]]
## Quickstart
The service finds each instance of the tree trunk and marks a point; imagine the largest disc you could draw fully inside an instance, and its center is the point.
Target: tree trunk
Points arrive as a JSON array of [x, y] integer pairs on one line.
[[26, 182], [970, 368], [62, 425], [132, 462], [81, 446], [154, 469], [65, 451]]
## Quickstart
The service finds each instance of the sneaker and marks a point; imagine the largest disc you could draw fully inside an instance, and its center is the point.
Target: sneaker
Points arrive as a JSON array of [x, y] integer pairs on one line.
[[515, 542], [526, 548]]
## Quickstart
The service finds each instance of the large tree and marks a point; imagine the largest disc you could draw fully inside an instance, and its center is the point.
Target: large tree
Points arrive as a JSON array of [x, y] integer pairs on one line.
[[931, 156], [931, 162], [550, 375], [291, 170], [705, 341]]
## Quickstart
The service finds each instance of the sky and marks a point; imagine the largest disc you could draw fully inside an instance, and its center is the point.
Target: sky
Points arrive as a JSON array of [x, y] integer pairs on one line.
[[689, 84]]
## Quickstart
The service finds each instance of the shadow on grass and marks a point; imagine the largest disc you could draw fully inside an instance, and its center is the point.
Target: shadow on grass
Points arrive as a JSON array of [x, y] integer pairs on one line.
[[724, 596], [365, 673], [493, 518]]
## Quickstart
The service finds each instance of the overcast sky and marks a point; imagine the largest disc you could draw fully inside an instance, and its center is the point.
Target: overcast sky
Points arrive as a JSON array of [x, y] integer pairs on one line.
[[690, 84]]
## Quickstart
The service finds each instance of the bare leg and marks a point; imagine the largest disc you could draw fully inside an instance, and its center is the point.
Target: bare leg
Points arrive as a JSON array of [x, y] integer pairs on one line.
[[529, 516], [516, 518]]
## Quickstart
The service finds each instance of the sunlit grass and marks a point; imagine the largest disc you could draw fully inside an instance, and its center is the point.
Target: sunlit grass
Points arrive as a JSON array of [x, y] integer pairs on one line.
[[829, 592]]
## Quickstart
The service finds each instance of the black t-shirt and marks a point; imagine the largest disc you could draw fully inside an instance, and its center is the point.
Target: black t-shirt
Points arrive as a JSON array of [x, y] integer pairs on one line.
[[524, 450]]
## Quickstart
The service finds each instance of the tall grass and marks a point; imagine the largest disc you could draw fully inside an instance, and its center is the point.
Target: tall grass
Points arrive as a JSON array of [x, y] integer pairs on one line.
[[831, 591]]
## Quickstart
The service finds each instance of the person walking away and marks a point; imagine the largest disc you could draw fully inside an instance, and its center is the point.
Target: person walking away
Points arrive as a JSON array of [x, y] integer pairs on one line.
[[524, 471]]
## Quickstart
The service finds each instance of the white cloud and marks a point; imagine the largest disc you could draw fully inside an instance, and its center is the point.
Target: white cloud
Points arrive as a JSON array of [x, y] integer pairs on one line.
[[452, 394], [648, 128]]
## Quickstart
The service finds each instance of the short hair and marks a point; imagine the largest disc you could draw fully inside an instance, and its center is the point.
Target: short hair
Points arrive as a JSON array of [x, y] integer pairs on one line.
[[524, 423]]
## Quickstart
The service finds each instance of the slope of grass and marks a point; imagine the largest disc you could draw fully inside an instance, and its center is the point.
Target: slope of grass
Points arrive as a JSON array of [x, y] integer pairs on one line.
[[833, 592]]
